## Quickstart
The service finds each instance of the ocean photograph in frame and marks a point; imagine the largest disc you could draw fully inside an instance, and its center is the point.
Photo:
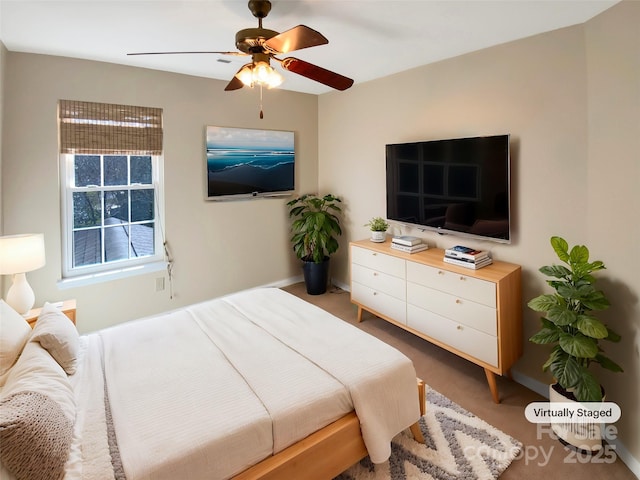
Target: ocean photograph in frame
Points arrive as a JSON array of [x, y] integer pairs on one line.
[[249, 162]]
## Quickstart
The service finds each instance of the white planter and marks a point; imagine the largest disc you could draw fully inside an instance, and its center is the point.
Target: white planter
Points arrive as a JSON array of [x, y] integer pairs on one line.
[[583, 436], [378, 237]]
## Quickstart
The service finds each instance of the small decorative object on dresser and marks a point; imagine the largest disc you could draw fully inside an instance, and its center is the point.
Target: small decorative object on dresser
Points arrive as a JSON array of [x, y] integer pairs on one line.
[[476, 314], [379, 227]]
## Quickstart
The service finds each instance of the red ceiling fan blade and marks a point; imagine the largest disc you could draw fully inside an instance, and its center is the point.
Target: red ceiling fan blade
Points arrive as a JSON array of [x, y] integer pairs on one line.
[[296, 38], [313, 72], [234, 84], [187, 53]]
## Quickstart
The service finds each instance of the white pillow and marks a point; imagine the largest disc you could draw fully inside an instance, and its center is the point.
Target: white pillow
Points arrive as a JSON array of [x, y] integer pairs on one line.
[[14, 333], [57, 333]]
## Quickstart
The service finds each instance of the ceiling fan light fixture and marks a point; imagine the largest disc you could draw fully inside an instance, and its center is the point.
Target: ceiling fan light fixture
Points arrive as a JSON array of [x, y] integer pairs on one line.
[[259, 73]]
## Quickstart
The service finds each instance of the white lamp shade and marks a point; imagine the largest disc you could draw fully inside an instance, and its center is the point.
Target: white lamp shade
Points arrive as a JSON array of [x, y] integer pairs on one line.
[[21, 253]]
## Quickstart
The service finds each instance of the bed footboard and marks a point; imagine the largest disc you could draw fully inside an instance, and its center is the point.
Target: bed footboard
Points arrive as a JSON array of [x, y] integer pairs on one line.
[[324, 454]]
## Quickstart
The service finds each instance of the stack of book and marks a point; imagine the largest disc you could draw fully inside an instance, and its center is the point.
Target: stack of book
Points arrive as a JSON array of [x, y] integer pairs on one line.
[[467, 257], [408, 244]]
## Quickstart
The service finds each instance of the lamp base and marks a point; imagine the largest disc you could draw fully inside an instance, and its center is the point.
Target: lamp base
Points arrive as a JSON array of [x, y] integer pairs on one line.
[[20, 296]]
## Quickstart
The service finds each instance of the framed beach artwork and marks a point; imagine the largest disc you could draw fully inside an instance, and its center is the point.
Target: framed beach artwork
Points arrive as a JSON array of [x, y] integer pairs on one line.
[[243, 162]]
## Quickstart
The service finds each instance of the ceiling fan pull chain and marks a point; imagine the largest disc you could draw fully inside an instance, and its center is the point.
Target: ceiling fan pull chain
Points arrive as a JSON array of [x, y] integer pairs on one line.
[[261, 113]]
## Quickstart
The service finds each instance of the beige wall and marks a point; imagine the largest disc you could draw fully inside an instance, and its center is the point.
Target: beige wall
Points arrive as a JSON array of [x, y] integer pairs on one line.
[[218, 247], [569, 99]]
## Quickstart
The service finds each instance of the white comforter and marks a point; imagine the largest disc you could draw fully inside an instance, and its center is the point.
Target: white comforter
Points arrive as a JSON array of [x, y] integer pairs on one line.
[[209, 390]]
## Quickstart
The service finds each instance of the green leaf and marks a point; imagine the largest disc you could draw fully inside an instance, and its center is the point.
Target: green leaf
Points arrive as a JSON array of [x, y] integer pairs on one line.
[[545, 336], [556, 271], [579, 255], [596, 301], [613, 336], [578, 345], [561, 316], [587, 389], [561, 247], [591, 327], [607, 363], [543, 303], [556, 356], [566, 370]]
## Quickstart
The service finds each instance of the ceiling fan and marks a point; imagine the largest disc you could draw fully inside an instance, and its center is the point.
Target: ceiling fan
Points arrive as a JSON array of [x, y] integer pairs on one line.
[[262, 45]]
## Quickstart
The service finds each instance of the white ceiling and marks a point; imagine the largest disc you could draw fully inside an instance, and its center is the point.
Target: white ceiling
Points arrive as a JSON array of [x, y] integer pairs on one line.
[[368, 39]]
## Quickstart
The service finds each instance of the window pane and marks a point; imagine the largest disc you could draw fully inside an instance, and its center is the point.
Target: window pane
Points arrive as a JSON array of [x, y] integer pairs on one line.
[[116, 207], [86, 247], [116, 243], [115, 170], [86, 209], [141, 169], [87, 170], [142, 205], [142, 240]]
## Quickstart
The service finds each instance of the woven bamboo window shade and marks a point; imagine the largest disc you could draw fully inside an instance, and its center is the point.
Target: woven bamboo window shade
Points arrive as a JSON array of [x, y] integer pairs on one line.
[[102, 128]]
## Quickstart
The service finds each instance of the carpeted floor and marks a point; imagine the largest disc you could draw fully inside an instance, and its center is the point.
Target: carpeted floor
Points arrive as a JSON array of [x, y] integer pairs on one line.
[[542, 456]]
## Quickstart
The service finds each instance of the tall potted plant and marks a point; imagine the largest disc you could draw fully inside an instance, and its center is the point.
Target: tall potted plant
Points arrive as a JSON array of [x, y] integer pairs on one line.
[[571, 327], [315, 228]]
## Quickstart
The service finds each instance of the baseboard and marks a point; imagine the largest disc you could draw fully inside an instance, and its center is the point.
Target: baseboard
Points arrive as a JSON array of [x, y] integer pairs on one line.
[[542, 389]]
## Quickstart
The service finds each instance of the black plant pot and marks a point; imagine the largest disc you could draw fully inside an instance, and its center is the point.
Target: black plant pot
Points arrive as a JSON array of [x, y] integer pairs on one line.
[[316, 276]]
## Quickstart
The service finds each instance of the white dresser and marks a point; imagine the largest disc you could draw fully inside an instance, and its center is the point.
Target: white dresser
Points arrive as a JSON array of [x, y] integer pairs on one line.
[[476, 314]]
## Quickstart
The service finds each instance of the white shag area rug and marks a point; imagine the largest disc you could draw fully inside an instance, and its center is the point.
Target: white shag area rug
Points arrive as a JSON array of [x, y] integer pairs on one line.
[[458, 445]]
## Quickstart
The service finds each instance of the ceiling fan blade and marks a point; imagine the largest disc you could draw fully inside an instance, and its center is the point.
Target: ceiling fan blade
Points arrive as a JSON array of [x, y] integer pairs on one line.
[[296, 38], [313, 72], [186, 53], [234, 84]]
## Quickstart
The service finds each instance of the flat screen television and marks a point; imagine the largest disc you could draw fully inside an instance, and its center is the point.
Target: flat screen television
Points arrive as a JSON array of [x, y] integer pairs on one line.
[[458, 186], [242, 162]]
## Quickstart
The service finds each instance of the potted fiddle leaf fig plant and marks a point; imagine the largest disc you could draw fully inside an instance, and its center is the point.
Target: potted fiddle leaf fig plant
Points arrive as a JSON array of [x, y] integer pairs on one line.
[[378, 227], [570, 325], [315, 230]]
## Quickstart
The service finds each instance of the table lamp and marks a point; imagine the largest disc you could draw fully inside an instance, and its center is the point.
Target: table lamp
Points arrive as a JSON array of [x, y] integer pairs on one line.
[[20, 254]]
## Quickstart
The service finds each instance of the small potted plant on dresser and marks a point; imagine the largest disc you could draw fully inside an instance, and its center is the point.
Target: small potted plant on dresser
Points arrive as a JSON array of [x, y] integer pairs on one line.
[[379, 227], [315, 229], [571, 327]]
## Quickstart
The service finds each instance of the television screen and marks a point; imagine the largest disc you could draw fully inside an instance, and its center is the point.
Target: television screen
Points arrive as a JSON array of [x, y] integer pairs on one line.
[[248, 162], [458, 186]]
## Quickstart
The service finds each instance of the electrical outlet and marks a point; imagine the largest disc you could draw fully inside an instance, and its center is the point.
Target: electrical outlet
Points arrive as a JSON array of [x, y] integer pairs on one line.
[[159, 284]]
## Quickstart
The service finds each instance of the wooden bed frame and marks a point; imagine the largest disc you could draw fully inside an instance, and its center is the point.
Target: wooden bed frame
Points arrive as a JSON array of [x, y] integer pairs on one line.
[[324, 454]]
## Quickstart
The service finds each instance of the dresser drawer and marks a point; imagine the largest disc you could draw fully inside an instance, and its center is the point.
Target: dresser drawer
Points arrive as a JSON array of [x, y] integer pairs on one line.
[[370, 298], [456, 335], [383, 282], [378, 261], [463, 286], [456, 308]]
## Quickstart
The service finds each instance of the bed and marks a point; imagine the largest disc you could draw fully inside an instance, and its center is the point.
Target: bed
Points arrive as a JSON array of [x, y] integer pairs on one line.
[[257, 384]]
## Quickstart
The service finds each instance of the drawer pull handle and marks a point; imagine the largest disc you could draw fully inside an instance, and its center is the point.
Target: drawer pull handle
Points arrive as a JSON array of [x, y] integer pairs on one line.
[[458, 301], [463, 278], [375, 274], [459, 327], [440, 272], [374, 254], [375, 293]]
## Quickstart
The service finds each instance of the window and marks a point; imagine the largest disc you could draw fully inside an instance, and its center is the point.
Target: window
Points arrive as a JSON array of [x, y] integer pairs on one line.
[[111, 179]]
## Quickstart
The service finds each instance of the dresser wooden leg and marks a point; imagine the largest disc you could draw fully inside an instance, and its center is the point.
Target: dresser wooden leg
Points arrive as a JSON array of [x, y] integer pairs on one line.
[[493, 385], [359, 313]]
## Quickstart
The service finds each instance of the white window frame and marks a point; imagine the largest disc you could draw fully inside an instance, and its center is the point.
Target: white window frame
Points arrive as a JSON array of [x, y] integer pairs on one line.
[[72, 276]]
